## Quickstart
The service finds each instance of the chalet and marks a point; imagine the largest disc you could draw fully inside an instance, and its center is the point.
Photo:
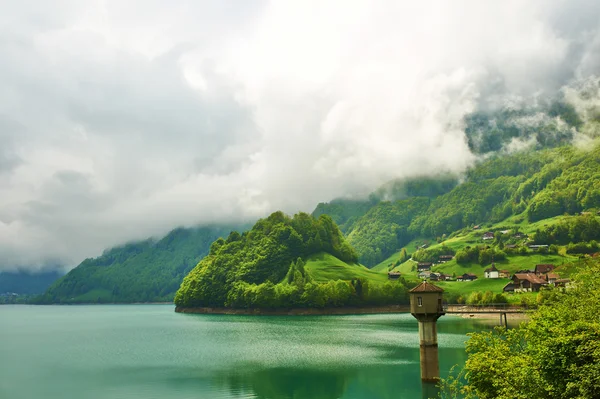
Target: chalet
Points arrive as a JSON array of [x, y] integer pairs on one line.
[[424, 274], [466, 277], [525, 271], [477, 227], [562, 282], [510, 246], [543, 269], [510, 287], [504, 231], [528, 282], [434, 277], [491, 272], [445, 258], [422, 266], [488, 236], [538, 246], [552, 277], [394, 275], [504, 274], [519, 235], [424, 246]]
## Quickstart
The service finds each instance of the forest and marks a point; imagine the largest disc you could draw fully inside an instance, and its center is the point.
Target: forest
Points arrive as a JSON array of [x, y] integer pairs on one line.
[[556, 355]]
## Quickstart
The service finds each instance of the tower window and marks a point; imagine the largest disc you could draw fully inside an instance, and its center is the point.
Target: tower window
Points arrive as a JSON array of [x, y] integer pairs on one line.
[[420, 301]]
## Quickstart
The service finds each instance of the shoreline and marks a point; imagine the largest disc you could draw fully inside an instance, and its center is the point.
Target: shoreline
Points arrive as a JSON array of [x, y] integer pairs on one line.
[[492, 316], [299, 311]]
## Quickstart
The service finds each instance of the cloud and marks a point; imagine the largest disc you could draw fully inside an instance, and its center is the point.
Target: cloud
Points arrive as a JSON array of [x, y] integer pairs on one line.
[[122, 120]]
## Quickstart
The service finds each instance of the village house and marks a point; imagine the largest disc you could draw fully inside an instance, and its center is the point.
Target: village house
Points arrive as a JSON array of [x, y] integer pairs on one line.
[[488, 236], [519, 235], [510, 287], [543, 269], [504, 274], [562, 282], [528, 282], [466, 277], [510, 246], [491, 272], [445, 258], [424, 274], [422, 266], [537, 247], [477, 227], [394, 275], [552, 277]]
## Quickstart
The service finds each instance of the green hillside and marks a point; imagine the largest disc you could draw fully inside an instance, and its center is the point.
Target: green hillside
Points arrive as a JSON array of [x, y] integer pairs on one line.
[[323, 267], [146, 271], [285, 262], [522, 189]]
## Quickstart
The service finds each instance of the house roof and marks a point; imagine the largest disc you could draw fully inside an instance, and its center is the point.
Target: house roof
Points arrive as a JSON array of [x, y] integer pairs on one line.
[[563, 280], [505, 271], [509, 286], [544, 268], [532, 278], [426, 287], [552, 275], [491, 269]]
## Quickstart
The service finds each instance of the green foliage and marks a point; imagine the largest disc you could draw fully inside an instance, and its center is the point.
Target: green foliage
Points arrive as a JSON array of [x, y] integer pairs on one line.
[[485, 298], [147, 271], [245, 270], [344, 212], [432, 254], [424, 186], [569, 230], [468, 204], [383, 230], [479, 254], [555, 355]]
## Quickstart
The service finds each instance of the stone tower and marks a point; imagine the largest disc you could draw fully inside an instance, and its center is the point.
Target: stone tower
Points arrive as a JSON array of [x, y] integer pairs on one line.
[[426, 307]]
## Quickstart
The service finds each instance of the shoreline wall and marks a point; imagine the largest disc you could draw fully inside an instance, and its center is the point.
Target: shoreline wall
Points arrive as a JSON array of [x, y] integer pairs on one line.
[[299, 311]]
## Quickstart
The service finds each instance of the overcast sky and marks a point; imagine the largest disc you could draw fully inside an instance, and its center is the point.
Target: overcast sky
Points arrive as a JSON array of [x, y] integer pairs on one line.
[[121, 120]]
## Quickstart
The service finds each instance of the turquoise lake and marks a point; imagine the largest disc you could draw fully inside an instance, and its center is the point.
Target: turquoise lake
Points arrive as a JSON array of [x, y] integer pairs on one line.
[[149, 351]]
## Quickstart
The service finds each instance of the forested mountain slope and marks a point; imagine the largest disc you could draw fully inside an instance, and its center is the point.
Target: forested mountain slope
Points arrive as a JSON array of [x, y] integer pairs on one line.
[[146, 271], [534, 184]]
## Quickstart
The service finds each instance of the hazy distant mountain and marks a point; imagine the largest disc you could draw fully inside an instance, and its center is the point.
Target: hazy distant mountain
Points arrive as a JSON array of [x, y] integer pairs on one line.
[[27, 282]]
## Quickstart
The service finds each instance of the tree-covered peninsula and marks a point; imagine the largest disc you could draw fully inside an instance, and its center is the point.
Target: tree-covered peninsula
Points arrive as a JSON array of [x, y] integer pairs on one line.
[[286, 262]]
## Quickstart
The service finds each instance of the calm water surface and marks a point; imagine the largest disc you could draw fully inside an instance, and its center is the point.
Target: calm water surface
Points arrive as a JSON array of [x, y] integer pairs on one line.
[[148, 351]]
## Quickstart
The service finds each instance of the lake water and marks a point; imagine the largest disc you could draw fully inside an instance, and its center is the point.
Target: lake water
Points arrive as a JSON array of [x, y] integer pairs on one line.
[[148, 351]]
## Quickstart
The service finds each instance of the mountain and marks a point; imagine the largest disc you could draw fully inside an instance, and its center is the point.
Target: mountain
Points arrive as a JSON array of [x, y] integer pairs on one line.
[[145, 271], [27, 283], [529, 185], [285, 262]]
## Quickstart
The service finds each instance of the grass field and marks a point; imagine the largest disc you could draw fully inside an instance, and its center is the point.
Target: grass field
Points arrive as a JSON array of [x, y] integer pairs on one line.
[[324, 267], [466, 287]]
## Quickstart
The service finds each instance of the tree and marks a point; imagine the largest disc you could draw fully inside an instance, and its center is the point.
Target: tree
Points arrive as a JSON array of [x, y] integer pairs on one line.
[[556, 355]]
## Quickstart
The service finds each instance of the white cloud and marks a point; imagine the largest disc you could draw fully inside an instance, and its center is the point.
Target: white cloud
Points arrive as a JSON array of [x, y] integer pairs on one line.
[[120, 120]]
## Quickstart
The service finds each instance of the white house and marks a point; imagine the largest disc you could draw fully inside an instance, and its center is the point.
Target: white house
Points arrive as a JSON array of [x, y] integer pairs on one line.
[[491, 272]]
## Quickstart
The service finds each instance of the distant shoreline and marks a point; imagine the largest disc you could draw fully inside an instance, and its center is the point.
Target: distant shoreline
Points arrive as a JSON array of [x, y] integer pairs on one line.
[[299, 311]]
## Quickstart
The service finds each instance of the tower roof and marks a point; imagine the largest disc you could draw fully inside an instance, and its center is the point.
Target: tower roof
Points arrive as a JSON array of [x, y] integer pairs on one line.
[[426, 287]]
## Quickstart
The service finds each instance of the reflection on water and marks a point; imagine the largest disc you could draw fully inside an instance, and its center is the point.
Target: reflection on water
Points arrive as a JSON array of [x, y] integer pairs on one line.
[[287, 383], [99, 352]]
